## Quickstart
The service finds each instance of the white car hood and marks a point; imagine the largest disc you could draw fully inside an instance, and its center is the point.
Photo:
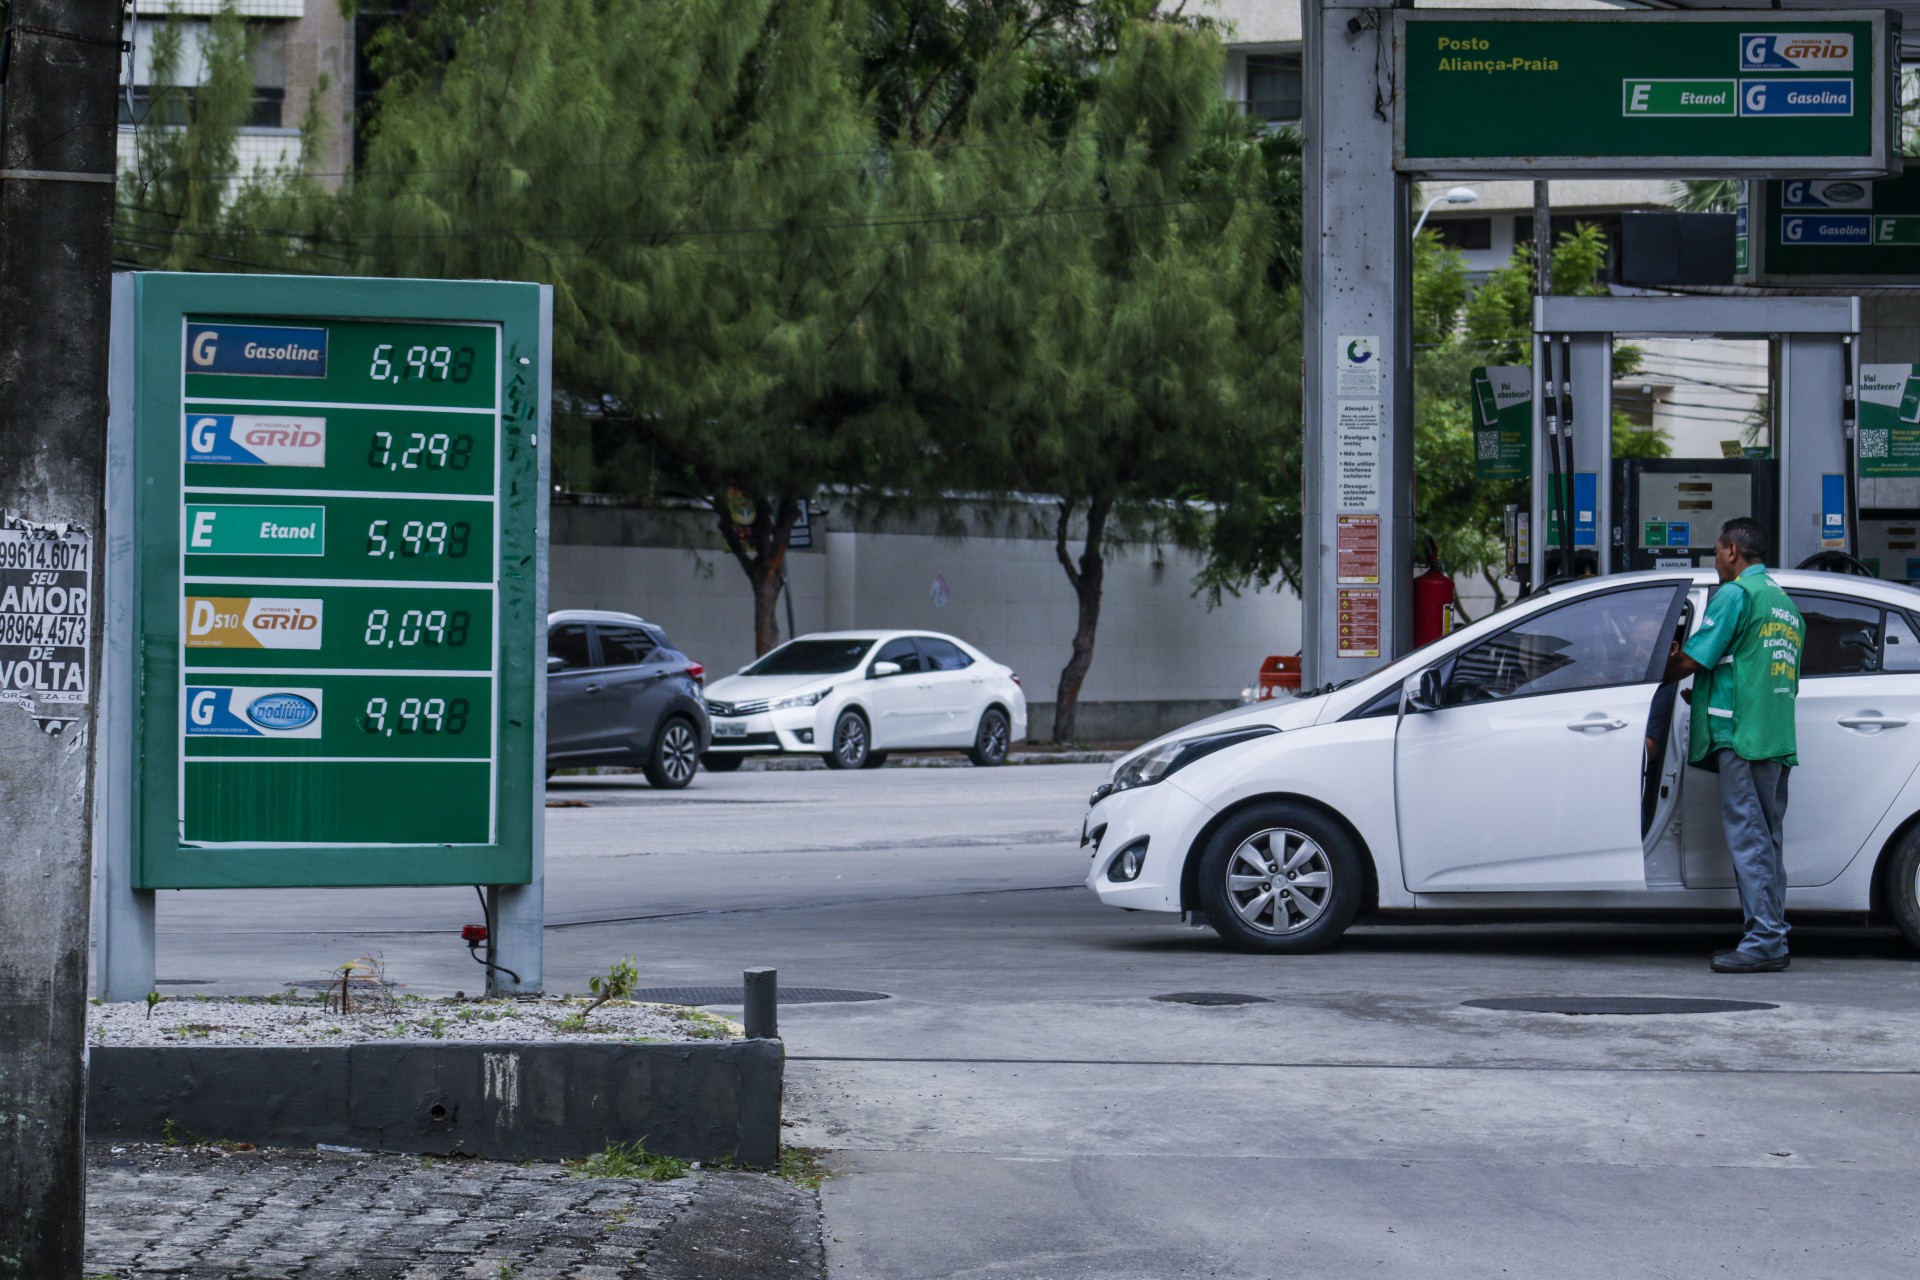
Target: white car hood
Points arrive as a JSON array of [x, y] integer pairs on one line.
[[1281, 713], [754, 688]]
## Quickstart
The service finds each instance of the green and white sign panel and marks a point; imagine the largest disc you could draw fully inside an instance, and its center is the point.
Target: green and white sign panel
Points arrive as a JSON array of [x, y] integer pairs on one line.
[[1502, 422], [1838, 232], [1889, 427], [338, 503], [1542, 94]]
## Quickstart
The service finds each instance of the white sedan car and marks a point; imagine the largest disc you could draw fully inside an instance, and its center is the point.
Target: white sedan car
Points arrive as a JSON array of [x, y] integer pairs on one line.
[[1508, 767], [855, 696]]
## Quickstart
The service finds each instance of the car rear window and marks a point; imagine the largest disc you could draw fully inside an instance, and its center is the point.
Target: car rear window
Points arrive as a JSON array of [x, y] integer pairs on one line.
[[624, 646], [944, 655], [812, 658]]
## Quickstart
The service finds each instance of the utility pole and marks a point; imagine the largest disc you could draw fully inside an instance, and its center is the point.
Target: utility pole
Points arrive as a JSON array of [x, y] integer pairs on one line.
[[58, 79]]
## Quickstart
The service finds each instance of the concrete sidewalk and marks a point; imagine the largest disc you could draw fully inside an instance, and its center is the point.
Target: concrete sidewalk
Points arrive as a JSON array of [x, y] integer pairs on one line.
[[200, 1213]]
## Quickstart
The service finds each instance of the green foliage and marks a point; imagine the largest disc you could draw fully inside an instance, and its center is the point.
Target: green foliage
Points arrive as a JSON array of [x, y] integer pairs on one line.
[[627, 1160], [153, 1000], [802, 1167]]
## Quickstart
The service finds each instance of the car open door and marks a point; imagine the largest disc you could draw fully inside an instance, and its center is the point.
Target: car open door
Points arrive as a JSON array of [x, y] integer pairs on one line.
[[1524, 770]]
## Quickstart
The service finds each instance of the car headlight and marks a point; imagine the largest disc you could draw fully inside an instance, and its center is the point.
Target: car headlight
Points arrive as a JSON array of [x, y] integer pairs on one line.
[[799, 700], [1168, 758]]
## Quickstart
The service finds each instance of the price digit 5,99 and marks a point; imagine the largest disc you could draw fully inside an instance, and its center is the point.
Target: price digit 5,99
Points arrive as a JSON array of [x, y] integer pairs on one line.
[[419, 538]]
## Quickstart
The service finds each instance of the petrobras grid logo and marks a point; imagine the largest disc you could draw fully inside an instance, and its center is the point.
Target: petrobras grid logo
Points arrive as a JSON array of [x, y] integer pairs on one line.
[[253, 622], [221, 711], [256, 440], [1796, 51]]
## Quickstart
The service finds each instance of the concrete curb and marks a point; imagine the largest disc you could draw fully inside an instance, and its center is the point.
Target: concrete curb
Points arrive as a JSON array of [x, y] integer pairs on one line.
[[501, 1100]]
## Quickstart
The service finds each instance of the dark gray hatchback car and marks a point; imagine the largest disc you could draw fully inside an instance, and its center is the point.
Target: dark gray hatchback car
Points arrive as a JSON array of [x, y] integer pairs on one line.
[[618, 692]]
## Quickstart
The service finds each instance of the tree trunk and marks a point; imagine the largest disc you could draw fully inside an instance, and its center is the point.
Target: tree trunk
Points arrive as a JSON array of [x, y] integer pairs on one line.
[[760, 549], [1087, 579]]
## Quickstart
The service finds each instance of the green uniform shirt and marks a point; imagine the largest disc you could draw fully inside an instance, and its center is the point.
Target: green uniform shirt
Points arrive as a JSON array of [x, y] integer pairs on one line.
[[1750, 644]]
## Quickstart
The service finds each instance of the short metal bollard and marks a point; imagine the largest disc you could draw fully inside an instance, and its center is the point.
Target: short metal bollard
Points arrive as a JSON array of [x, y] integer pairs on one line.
[[763, 1004]]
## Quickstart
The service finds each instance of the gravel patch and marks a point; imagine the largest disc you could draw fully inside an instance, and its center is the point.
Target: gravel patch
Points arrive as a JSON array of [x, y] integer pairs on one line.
[[304, 1020]]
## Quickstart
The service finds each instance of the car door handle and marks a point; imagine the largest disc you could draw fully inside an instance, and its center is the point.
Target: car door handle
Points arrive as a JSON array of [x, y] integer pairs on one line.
[[595, 688], [1596, 721], [1871, 720]]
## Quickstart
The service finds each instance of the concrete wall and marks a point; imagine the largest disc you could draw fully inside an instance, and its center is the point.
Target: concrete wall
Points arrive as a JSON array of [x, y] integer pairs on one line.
[[986, 573]]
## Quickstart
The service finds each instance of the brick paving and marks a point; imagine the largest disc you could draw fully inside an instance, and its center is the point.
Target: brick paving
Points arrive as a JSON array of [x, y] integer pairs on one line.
[[197, 1213]]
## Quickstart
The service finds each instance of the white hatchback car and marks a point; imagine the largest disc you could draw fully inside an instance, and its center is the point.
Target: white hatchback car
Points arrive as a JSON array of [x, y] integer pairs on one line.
[[1507, 767], [855, 696]]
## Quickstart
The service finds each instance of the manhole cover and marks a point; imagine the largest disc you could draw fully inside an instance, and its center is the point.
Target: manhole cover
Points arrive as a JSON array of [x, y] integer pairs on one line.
[[1211, 997], [1618, 1005], [737, 995]]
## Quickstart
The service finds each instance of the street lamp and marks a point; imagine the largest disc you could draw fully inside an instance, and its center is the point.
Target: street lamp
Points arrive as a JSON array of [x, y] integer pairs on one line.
[[1454, 195]]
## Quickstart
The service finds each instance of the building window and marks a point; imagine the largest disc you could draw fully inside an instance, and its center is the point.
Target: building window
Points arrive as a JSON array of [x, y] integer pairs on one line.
[[267, 111], [1463, 233], [1273, 87]]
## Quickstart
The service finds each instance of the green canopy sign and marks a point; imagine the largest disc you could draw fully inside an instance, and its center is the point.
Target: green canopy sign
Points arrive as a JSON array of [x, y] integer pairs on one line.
[[1837, 232], [1539, 94]]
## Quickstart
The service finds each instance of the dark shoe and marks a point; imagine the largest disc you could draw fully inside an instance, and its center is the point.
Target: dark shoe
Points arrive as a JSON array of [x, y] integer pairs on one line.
[[1737, 961]]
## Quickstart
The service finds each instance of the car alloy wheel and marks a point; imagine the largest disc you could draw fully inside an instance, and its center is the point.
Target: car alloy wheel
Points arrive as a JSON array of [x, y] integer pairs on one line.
[[676, 755], [1279, 881], [991, 740], [850, 742]]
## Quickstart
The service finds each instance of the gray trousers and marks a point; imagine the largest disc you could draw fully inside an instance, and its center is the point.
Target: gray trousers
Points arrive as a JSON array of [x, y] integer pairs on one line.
[[1753, 809]]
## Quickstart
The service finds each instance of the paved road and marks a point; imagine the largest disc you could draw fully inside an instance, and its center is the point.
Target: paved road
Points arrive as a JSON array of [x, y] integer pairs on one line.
[[1023, 1107]]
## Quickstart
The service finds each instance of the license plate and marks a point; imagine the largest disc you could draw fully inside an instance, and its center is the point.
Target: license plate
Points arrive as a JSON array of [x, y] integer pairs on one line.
[[729, 730]]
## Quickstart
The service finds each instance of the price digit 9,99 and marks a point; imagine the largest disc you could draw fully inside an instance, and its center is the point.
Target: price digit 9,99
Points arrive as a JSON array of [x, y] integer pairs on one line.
[[419, 538], [428, 628], [385, 718]]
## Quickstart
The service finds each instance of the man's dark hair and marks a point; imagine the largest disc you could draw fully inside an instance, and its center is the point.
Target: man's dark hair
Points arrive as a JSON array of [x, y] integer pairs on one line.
[[1746, 537]]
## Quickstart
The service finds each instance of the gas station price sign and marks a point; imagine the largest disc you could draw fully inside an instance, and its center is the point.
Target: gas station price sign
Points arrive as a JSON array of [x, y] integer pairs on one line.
[[339, 498], [1542, 94]]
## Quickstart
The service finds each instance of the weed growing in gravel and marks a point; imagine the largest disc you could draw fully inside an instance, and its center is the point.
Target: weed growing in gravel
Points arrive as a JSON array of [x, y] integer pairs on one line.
[[621, 977], [572, 1022], [702, 1025], [801, 1166], [438, 1028], [627, 1160], [153, 998]]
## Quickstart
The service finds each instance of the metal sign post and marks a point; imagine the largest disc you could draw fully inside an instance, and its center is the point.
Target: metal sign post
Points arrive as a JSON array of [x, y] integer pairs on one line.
[[337, 502]]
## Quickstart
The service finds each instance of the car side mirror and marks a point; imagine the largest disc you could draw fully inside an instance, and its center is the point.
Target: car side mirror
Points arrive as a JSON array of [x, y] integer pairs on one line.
[[1421, 692], [555, 664], [881, 670]]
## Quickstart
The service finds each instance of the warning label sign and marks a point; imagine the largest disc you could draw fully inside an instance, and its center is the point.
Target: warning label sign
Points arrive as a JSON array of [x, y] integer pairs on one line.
[[46, 603]]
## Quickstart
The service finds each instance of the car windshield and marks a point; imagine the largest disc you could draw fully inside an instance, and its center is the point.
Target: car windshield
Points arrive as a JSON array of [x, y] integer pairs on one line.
[[812, 658]]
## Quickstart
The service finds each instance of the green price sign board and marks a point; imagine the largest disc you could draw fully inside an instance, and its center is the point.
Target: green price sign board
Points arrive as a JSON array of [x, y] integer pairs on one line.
[[1540, 94], [1502, 422], [1839, 232], [1889, 427], [338, 499]]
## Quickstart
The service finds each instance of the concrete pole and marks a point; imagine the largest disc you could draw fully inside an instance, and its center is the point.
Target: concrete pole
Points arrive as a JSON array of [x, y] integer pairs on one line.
[[1357, 548], [57, 127]]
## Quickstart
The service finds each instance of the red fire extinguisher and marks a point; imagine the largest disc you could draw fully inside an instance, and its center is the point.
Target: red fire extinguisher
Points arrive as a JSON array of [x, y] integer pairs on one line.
[[1432, 600]]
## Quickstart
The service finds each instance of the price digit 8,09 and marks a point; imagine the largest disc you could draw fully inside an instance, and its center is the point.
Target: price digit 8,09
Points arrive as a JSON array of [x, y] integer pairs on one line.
[[428, 628]]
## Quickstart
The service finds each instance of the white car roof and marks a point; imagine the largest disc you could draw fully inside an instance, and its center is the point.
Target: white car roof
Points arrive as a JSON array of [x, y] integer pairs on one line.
[[595, 615]]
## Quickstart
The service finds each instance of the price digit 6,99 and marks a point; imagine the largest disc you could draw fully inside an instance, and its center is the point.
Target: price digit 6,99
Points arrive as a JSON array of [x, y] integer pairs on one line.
[[430, 628], [421, 364]]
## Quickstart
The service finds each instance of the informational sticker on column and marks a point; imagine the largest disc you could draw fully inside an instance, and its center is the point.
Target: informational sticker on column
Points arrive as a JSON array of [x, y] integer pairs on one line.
[[46, 605], [1359, 609], [1889, 420], [1356, 547], [1357, 451], [1502, 422], [1356, 366]]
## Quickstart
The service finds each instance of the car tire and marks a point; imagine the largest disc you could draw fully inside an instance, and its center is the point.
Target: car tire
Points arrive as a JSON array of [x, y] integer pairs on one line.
[[874, 760], [1900, 887], [721, 764], [675, 755], [852, 742], [1305, 913], [992, 739]]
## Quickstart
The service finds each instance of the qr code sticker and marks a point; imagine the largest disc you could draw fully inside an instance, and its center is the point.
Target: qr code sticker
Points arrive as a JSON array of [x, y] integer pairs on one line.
[[1486, 445], [1873, 444]]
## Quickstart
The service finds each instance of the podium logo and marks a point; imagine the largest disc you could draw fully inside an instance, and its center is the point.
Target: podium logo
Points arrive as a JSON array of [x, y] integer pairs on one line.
[[222, 711], [1796, 51], [249, 622]]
